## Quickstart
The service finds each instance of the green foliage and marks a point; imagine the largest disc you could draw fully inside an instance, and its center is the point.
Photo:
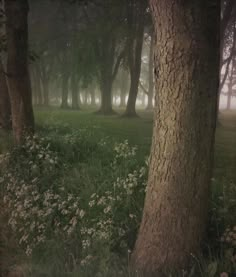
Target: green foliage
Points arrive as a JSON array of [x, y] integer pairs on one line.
[[87, 184], [53, 212]]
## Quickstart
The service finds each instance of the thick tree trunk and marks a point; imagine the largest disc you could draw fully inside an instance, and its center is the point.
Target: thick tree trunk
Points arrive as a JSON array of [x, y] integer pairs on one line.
[[17, 68], [106, 97], [151, 79], [176, 204], [5, 108], [65, 92]]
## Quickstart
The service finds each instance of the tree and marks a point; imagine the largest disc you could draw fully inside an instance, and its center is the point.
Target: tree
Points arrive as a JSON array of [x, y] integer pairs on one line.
[[231, 82], [5, 108], [187, 54], [17, 68], [136, 20], [150, 75]]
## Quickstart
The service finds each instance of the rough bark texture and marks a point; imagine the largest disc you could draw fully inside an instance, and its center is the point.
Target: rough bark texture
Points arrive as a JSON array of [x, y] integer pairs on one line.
[[176, 205], [5, 108], [17, 68]]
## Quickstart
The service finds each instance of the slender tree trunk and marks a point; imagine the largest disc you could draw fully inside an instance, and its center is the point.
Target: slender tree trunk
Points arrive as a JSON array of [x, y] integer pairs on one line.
[[45, 92], [151, 78], [176, 204], [135, 75], [135, 56], [229, 95], [124, 88], [231, 77], [75, 95], [37, 90], [5, 108], [93, 99], [17, 68], [65, 92], [122, 98]]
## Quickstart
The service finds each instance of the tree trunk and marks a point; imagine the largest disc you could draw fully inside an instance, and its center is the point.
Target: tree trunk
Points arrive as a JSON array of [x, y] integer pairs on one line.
[[231, 79], [135, 56], [38, 91], [151, 79], [123, 89], [5, 108], [65, 92], [93, 98], [17, 68], [229, 96], [176, 204], [106, 97], [45, 92], [75, 95]]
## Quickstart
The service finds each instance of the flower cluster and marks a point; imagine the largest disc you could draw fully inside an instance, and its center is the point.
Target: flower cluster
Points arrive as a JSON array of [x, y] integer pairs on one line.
[[36, 216], [229, 236], [124, 150]]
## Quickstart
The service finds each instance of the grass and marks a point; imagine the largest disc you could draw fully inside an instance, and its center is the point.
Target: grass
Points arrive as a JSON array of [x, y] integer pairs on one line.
[[87, 170], [138, 131]]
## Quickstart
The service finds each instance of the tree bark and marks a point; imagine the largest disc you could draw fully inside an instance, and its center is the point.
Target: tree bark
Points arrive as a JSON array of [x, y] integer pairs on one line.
[[176, 204], [17, 68], [5, 108]]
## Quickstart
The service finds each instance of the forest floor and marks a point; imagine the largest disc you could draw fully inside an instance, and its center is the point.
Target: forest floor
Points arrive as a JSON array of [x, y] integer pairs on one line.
[[103, 161], [138, 131]]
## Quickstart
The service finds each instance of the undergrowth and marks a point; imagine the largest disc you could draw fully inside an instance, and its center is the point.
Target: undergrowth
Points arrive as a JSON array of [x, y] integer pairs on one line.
[[72, 205]]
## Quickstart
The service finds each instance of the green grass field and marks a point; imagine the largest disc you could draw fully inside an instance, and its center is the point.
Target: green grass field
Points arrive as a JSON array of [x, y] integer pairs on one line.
[[138, 131]]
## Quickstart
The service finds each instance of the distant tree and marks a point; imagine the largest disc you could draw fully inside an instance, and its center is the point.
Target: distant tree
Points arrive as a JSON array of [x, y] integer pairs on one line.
[[17, 68], [136, 11], [231, 83], [228, 38], [150, 75], [187, 77]]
